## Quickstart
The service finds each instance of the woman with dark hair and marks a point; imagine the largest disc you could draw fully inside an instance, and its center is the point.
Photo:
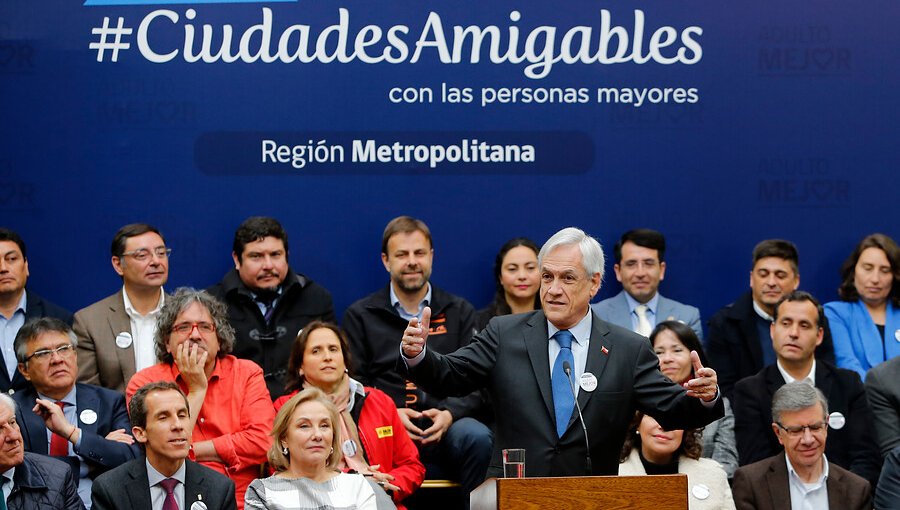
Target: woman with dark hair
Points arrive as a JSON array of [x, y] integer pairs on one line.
[[673, 342], [865, 323], [517, 279], [650, 450], [374, 442]]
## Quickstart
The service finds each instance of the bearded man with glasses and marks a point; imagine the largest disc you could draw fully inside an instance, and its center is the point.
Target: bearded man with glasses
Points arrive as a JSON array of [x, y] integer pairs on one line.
[[231, 412], [802, 474], [115, 334], [797, 330], [84, 425]]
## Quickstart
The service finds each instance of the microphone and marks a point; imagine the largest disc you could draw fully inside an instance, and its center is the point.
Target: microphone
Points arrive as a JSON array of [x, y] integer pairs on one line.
[[567, 368]]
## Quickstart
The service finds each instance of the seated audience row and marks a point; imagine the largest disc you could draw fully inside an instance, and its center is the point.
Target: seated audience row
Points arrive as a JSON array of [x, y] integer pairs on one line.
[[268, 304]]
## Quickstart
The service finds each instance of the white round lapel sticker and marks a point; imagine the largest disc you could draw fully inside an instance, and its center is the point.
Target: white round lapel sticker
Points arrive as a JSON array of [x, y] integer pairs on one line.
[[88, 416], [349, 448], [700, 491], [198, 505], [123, 340], [897, 335], [588, 382], [836, 420]]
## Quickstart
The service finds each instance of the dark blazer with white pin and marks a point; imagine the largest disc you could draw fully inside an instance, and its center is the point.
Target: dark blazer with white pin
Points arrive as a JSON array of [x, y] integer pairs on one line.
[[128, 487], [510, 358]]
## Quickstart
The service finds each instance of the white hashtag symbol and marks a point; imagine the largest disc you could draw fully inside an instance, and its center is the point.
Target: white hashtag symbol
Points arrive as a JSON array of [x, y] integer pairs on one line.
[[116, 45]]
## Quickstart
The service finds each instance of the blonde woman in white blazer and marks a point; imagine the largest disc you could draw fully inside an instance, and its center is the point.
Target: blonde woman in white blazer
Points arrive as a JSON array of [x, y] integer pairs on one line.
[[650, 449]]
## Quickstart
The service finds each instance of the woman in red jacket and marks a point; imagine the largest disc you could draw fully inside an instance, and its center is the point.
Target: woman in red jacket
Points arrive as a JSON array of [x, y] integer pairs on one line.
[[375, 442]]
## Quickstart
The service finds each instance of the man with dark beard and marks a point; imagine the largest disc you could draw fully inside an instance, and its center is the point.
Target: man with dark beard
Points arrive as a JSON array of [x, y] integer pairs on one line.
[[268, 303], [452, 442]]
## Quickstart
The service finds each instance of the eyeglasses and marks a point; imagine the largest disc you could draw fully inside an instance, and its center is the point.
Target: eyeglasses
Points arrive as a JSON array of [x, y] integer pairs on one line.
[[143, 254], [64, 351], [185, 328], [797, 430]]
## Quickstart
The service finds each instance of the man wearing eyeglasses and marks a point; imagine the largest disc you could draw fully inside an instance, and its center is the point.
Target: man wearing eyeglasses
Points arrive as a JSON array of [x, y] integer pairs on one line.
[[231, 412], [115, 334], [84, 425], [796, 332], [803, 474]]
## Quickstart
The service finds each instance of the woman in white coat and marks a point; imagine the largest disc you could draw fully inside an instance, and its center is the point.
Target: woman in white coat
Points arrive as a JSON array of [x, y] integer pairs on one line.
[[650, 450]]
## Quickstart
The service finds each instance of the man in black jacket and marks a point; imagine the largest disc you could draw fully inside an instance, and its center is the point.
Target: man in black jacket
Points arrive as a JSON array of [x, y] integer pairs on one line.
[[452, 442], [796, 331], [738, 342], [268, 303]]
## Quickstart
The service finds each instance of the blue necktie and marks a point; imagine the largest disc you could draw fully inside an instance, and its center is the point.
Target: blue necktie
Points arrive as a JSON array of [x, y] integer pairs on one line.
[[563, 400]]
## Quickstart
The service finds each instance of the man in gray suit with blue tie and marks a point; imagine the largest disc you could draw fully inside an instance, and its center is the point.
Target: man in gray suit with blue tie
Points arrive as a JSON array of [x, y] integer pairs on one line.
[[640, 266]]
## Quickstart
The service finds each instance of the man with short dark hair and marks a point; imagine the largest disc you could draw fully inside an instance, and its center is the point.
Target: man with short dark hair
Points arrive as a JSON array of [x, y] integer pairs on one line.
[[29, 480], [796, 332], [452, 442], [161, 416], [17, 306], [85, 425], [640, 266], [268, 303], [234, 413], [802, 475], [115, 334], [738, 342]]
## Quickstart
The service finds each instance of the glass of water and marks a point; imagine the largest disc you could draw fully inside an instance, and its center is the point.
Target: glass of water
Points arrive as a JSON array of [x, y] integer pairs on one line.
[[514, 463]]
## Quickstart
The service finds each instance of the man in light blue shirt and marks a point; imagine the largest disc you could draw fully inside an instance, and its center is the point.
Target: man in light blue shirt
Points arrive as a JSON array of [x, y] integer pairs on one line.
[[640, 267], [17, 306]]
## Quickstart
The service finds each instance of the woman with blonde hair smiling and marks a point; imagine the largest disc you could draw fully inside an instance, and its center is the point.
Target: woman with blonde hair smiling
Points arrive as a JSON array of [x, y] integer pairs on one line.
[[305, 454]]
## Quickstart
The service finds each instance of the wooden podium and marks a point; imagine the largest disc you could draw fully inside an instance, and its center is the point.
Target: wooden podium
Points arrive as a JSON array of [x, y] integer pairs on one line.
[[667, 492]]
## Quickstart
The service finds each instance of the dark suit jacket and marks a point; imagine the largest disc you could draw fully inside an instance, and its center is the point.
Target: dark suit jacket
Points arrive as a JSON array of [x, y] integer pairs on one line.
[[733, 348], [99, 453], [100, 360], [269, 344], [510, 358], [127, 486], [35, 307], [852, 447], [764, 486], [374, 329], [883, 389]]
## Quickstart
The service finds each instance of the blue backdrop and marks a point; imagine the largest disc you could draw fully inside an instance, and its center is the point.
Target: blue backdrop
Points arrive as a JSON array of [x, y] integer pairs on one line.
[[781, 121]]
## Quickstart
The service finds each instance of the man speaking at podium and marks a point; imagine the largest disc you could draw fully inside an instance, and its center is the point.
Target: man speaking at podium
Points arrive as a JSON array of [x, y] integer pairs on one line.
[[533, 363]]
